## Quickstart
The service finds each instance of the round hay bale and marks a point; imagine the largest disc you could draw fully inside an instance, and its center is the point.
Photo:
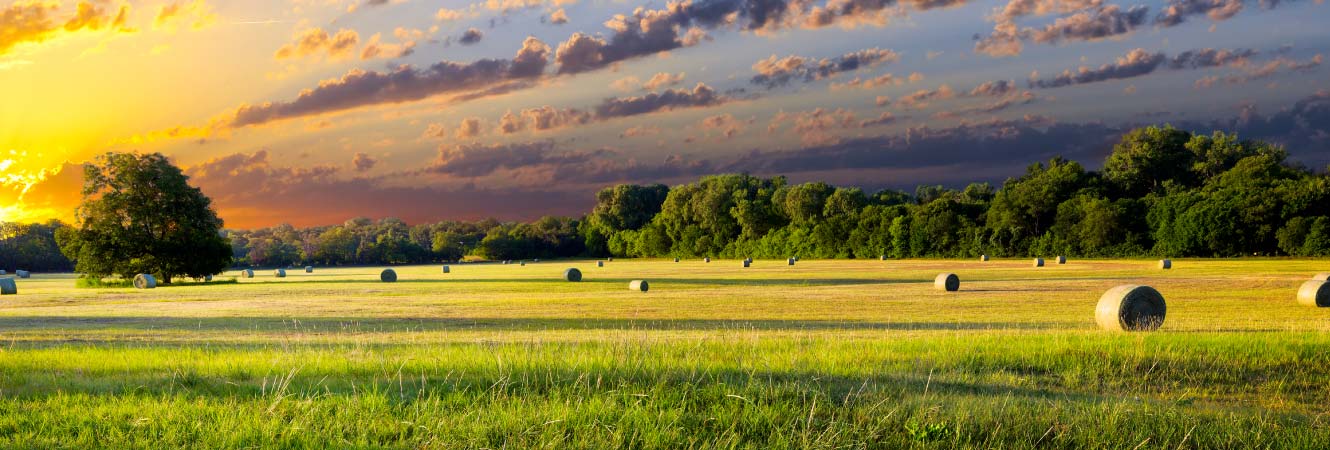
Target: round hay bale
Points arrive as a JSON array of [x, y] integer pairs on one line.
[[279, 273], [247, 273], [638, 285], [791, 261], [1165, 264], [1062, 259], [1039, 262], [600, 263], [23, 274], [882, 258], [707, 259], [1131, 308], [8, 286], [309, 269], [505, 262], [1323, 276], [572, 274], [983, 258], [145, 281], [388, 276], [1315, 293], [446, 269], [2, 272], [610, 258], [746, 263], [207, 278], [676, 259], [947, 282]]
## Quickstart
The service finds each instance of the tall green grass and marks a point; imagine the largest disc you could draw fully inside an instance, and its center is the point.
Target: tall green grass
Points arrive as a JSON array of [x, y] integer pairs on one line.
[[825, 355]]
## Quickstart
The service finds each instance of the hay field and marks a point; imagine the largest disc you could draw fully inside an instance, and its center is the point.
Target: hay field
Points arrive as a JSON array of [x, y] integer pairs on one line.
[[823, 354]]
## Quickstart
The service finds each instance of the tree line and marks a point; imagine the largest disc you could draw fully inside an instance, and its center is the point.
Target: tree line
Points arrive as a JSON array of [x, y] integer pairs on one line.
[[1161, 192]]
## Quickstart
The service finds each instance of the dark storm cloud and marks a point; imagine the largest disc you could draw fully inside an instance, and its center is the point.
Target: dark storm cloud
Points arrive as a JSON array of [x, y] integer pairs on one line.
[[406, 83]]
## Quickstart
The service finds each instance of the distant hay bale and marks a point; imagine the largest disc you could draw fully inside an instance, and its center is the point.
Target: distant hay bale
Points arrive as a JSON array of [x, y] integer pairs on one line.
[[638, 285], [600, 263], [1039, 262], [279, 273], [523, 263], [1315, 293], [2, 272], [145, 281], [749, 259], [247, 273], [1062, 259], [388, 276], [983, 258], [309, 269], [947, 282], [791, 261], [1323, 276], [446, 269], [747, 262], [1131, 308], [207, 278], [572, 274], [1165, 264], [535, 260], [8, 286], [610, 258], [505, 262], [707, 259], [676, 259], [23, 274]]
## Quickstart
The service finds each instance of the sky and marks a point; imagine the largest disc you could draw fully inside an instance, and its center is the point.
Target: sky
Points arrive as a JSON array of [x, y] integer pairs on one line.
[[311, 112]]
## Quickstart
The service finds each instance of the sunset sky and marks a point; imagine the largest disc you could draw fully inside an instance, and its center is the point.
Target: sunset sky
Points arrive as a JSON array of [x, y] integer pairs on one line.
[[313, 112]]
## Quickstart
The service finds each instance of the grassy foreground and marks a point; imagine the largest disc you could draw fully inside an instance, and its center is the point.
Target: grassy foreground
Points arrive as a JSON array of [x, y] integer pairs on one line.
[[825, 354]]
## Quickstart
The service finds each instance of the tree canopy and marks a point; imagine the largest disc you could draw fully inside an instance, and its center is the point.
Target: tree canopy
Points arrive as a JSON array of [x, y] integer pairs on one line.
[[140, 215]]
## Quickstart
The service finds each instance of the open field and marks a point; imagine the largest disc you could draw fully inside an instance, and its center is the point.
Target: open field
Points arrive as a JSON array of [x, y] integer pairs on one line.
[[825, 354]]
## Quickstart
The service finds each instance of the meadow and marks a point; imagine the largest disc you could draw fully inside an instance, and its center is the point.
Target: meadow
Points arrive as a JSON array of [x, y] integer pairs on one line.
[[843, 354]]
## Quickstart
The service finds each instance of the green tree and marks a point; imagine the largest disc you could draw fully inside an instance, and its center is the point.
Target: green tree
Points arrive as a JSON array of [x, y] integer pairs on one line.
[[140, 215]]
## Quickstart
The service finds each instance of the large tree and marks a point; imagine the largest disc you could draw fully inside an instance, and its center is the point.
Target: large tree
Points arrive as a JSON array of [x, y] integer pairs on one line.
[[140, 215]]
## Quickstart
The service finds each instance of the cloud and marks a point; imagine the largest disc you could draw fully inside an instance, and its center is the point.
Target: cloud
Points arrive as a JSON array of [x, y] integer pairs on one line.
[[249, 191], [359, 88], [1091, 22], [657, 81], [315, 41], [669, 99], [196, 15], [1177, 11], [480, 160], [542, 118], [774, 72], [1140, 62], [559, 17], [1134, 64], [470, 36], [1100, 23], [1266, 70], [885, 118], [35, 22], [639, 131], [997, 88], [377, 49], [725, 125], [819, 126], [924, 97], [868, 83], [363, 162]]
